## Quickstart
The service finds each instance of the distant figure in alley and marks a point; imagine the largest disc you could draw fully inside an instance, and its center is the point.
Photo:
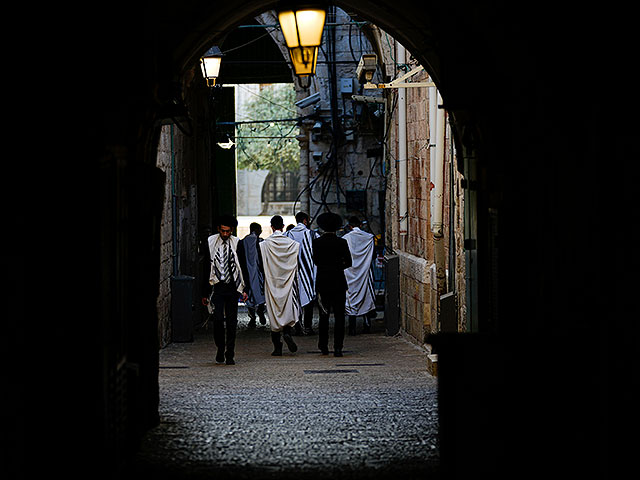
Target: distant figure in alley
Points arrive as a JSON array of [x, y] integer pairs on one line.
[[228, 285], [331, 255], [306, 270], [280, 260], [253, 273], [360, 292]]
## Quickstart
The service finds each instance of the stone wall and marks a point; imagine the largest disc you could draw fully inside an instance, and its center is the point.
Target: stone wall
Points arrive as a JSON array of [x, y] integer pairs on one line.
[[419, 293], [163, 162], [189, 183], [415, 303]]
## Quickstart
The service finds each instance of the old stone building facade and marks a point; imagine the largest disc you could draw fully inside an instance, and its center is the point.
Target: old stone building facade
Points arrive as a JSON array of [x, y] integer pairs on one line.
[[430, 245], [340, 139], [369, 156]]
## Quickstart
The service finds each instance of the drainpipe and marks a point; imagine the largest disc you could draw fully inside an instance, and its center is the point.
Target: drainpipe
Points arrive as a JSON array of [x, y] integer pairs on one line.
[[437, 192], [304, 174], [402, 152], [433, 111]]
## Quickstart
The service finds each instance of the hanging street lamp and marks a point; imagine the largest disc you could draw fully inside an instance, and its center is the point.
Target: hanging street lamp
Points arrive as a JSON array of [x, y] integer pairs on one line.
[[302, 27], [210, 65], [304, 60]]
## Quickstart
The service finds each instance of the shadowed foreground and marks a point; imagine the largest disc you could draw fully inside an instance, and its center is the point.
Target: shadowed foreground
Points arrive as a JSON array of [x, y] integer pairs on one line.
[[369, 414]]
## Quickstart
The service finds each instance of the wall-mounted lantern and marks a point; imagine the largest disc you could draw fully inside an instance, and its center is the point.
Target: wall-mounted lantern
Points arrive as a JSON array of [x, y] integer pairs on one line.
[[210, 65]]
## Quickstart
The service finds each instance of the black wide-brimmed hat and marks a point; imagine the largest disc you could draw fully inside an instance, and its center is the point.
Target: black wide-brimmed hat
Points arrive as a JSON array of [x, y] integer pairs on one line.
[[329, 221]]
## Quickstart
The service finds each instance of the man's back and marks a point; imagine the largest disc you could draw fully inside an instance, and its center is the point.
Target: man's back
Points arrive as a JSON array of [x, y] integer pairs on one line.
[[361, 294], [331, 255], [252, 270], [280, 260], [280, 252], [361, 246]]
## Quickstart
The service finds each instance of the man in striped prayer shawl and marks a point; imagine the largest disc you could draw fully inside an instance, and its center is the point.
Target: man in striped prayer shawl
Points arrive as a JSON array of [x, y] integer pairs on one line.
[[360, 292], [228, 287], [306, 270]]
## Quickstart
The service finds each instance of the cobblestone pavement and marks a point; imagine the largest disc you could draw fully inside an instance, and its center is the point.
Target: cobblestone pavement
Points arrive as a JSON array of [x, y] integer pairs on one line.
[[369, 414]]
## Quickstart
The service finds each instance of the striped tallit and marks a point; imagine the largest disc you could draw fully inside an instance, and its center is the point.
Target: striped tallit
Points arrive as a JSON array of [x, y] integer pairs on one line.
[[360, 291], [220, 267], [306, 268]]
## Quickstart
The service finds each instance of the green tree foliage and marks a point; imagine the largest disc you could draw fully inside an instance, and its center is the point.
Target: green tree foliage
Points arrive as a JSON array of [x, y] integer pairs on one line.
[[270, 146]]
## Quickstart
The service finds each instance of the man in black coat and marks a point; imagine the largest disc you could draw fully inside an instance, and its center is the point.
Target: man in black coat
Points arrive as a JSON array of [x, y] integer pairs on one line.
[[331, 255]]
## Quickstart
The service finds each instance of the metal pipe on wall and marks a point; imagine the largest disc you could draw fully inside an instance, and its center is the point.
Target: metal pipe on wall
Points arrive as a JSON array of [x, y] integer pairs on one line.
[[438, 200], [402, 149], [452, 215], [437, 171], [304, 176]]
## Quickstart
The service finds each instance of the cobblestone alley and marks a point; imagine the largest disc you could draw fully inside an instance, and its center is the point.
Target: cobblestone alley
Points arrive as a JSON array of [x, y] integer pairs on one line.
[[369, 414]]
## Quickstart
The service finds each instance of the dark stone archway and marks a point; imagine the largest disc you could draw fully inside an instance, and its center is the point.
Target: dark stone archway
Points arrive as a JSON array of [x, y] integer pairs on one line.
[[543, 104]]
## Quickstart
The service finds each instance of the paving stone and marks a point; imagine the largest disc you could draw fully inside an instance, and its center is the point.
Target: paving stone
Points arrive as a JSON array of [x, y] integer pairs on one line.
[[369, 414]]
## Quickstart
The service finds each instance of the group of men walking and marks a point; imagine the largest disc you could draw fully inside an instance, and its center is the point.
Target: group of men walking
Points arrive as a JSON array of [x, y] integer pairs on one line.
[[285, 275]]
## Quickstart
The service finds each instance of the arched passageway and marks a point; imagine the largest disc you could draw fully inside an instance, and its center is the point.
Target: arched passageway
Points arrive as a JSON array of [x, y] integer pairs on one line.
[[551, 173]]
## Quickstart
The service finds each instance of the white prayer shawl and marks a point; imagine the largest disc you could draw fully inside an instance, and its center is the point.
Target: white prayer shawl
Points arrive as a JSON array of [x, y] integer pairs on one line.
[[214, 243], [280, 259], [306, 268], [360, 292], [255, 280]]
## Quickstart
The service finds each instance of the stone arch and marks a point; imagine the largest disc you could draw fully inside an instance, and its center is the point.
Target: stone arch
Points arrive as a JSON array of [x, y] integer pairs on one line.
[[536, 146], [419, 29]]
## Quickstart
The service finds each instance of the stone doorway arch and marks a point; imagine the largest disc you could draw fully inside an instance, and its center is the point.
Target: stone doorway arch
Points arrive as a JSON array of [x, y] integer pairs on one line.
[[532, 151]]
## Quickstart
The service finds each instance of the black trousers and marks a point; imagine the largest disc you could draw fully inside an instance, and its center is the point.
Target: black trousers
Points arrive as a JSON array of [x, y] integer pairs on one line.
[[225, 301], [276, 337], [332, 301], [260, 309]]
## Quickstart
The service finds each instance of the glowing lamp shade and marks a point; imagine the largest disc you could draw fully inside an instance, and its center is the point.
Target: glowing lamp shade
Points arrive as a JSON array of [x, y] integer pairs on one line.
[[304, 60], [302, 27], [210, 65]]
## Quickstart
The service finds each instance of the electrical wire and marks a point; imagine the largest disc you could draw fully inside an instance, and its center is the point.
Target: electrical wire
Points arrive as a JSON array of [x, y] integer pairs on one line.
[[249, 42], [266, 99]]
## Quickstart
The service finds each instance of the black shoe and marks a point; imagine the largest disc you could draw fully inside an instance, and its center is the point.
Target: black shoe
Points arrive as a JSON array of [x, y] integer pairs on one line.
[[290, 343], [230, 361], [220, 358], [309, 331], [297, 330], [252, 323], [324, 351], [276, 353], [337, 353], [263, 320]]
